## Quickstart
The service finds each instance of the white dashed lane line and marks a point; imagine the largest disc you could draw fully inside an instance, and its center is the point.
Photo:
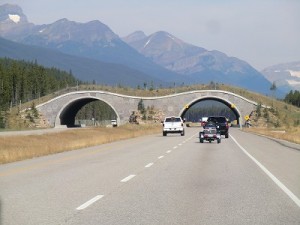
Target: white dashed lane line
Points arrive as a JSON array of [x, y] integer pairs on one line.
[[90, 202], [128, 178], [149, 165]]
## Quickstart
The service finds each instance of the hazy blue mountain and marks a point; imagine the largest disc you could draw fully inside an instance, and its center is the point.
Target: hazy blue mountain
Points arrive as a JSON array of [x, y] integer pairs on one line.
[[92, 40], [166, 50], [82, 68], [196, 63], [286, 75], [135, 37], [160, 56], [13, 21]]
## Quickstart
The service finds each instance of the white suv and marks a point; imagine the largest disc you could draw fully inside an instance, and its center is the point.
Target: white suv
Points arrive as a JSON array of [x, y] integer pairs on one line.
[[173, 125]]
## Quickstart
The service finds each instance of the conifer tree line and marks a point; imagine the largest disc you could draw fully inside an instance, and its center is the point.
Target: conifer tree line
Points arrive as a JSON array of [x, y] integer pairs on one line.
[[97, 110], [194, 114], [22, 81], [293, 97]]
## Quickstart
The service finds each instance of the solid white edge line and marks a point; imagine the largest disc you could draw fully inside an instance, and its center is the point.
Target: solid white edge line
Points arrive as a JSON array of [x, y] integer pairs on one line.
[[276, 181], [149, 165], [128, 178], [90, 202]]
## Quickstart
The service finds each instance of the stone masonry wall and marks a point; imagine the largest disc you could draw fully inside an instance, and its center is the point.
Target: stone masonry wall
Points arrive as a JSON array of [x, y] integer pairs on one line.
[[172, 105]]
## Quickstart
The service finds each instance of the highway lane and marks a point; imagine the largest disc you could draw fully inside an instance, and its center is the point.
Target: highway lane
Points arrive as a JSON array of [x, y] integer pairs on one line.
[[155, 180]]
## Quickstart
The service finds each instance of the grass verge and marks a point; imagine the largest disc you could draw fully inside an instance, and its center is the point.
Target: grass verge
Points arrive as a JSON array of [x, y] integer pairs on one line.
[[16, 148], [288, 134]]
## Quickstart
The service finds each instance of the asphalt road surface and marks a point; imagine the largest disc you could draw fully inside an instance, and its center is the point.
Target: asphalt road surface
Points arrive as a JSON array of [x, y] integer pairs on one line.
[[247, 179]]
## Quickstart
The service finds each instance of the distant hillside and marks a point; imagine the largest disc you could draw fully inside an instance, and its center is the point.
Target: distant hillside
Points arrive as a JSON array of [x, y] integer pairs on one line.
[[93, 40], [195, 63], [88, 70], [285, 75]]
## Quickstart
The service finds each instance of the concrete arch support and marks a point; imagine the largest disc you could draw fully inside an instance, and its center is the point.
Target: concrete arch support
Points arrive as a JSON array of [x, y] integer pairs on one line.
[[62, 108]]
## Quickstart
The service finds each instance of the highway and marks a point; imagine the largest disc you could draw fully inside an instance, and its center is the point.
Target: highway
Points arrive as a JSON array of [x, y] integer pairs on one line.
[[246, 179]]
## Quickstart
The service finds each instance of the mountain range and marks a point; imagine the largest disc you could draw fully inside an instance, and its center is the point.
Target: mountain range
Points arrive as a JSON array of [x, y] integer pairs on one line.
[[285, 75], [88, 70], [196, 63], [94, 52]]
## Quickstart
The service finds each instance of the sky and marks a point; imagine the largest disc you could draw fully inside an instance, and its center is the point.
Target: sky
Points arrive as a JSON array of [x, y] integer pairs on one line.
[[260, 32]]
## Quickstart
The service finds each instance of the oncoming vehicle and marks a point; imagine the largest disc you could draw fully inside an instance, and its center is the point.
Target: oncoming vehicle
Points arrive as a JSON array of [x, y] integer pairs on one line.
[[221, 124], [114, 123], [210, 133], [173, 125], [203, 121]]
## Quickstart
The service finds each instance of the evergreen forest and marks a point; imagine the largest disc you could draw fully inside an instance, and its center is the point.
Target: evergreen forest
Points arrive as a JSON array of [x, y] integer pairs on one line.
[[22, 81], [293, 97], [208, 108]]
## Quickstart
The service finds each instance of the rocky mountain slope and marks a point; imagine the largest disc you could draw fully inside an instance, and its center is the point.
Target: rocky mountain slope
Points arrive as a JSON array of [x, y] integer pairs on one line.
[[196, 63], [84, 69], [285, 75], [160, 56]]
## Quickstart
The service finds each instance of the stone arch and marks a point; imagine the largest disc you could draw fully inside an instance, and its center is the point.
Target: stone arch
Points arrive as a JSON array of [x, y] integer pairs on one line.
[[55, 109], [228, 103], [66, 115]]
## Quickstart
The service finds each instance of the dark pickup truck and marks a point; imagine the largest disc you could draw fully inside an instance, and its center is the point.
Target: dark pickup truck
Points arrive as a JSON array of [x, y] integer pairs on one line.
[[221, 124]]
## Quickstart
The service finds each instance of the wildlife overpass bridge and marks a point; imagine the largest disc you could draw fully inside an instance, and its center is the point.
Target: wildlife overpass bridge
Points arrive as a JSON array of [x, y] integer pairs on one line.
[[61, 111]]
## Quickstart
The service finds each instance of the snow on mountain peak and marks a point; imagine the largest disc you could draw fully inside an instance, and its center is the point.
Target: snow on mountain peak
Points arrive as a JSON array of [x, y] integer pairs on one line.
[[293, 82], [14, 18], [294, 73], [12, 14]]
